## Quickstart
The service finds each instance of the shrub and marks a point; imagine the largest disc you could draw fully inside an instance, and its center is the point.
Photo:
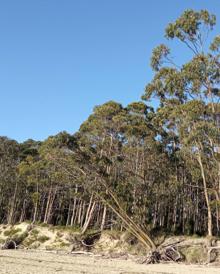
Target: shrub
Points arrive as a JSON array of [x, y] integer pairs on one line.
[[18, 239], [35, 232], [43, 238], [12, 231]]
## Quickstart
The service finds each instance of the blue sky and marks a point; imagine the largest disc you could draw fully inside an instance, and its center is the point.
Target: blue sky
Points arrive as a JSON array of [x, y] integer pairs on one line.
[[60, 58]]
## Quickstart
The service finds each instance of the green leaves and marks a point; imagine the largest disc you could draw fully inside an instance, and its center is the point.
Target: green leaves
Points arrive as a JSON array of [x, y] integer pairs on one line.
[[188, 116], [160, 53], [188, 27], [199, 77], [167, 82], [215, 45]]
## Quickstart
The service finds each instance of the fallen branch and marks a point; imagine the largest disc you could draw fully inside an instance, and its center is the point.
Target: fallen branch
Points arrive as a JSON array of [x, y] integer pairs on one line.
[[81, 253]]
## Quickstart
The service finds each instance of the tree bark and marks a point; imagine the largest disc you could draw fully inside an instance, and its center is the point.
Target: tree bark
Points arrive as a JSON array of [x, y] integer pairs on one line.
[[206, 195]]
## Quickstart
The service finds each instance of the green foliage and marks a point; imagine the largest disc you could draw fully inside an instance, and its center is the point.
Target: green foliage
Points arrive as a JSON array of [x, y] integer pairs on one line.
[[11, 232], [215, 44], [19, 238], [159, 53], [42, 238], [189, 103], [195, 254], [35, 232], [159, 166], [188, 26]]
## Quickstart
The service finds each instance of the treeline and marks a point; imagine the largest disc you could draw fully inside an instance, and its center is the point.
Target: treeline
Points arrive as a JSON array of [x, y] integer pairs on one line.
[[160, 166]]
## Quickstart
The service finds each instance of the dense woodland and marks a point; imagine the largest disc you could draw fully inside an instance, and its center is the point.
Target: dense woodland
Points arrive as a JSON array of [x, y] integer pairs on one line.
[[157, 167]]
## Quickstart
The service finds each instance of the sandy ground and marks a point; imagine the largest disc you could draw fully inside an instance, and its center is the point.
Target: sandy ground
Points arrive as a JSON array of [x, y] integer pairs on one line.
[[28, 262]]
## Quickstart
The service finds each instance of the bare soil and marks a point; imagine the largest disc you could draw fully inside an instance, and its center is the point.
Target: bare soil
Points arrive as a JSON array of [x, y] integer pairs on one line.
[[42, 262]]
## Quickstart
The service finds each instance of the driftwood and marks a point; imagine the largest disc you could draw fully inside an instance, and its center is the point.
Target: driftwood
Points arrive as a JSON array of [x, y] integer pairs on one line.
[[85, 242], [9, 244], [81, 253], [86, 245], [167, 254], [211, 257]]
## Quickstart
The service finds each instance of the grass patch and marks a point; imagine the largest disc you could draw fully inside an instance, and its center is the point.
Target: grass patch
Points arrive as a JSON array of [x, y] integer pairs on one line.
[[29, 241], [18, 239], [194, 254], [11, 232], [114, 234], [35, 239], [66, 228], [35, 232], [43, 238], [64, 244]]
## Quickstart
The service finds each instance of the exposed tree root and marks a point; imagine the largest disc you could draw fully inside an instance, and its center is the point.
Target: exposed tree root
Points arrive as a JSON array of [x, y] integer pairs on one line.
[[167, 254], [9, 244], [213, 253], [85, 242]]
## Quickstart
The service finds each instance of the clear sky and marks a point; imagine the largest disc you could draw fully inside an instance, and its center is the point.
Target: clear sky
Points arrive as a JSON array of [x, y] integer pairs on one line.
[[60, 58]]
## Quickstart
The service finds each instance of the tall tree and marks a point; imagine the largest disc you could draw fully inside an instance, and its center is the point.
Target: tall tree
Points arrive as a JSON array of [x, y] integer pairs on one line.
[[189, 93]]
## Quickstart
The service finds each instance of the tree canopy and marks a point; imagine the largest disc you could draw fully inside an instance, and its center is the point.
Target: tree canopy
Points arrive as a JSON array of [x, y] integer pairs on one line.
[[135, 166]]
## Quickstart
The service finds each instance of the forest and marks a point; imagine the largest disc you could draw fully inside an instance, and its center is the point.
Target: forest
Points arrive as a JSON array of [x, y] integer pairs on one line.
[[146, 168]]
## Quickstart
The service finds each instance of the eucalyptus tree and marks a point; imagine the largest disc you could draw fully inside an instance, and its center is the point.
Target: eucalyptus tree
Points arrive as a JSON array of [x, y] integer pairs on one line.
[[101, 137], [97, 163], [189, 93], [133, 166], [44, 180], [9, 183]]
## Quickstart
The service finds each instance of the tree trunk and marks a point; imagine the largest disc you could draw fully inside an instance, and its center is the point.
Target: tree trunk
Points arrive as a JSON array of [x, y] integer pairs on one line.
[[90, 212], [103, 218], [206, 195], [73, 212], [68, 215], [22, 217], [12, 208]]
